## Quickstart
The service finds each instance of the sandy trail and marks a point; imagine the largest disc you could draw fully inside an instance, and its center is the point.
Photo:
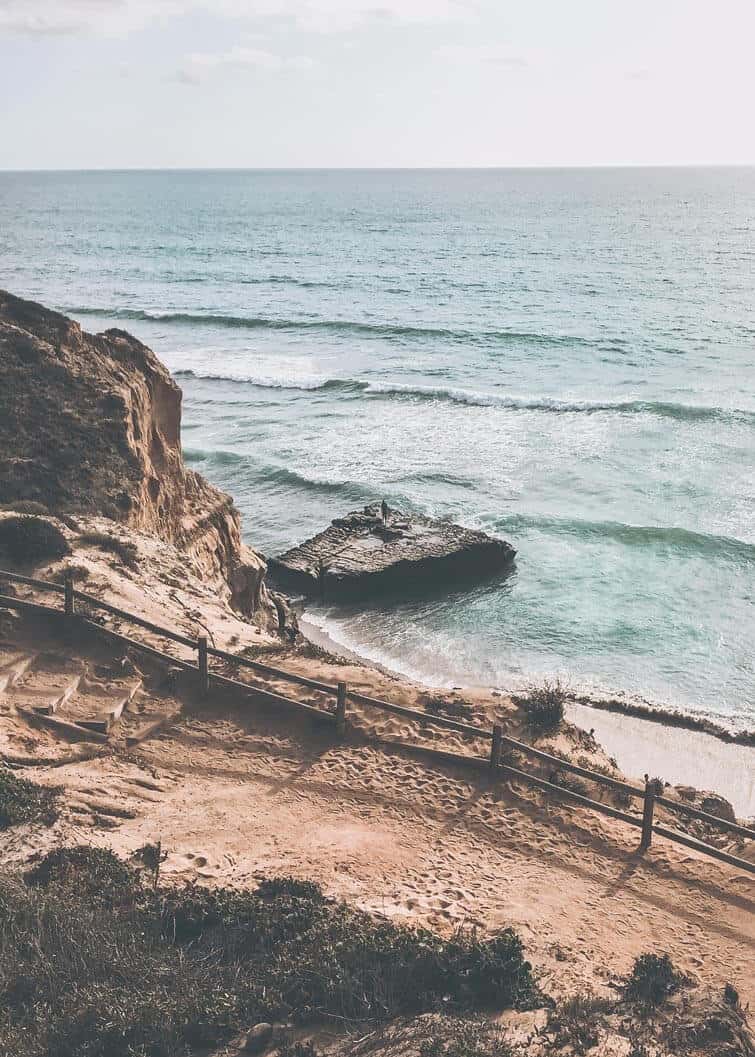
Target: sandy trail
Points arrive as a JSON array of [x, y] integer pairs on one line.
[[236, 796]]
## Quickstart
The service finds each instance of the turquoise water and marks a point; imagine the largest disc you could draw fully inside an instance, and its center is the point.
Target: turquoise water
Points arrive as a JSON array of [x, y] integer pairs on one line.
[[565, 358]]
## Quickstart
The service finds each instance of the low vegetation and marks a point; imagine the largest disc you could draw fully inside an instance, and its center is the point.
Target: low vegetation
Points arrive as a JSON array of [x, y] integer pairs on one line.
[[97, 961], [30, 540], [653, 980], [24, 801], [78, 573], [544, 706], [93, 873], [27, 506], [576, 1022], [449, 1037], [123, 549], [96, 964]]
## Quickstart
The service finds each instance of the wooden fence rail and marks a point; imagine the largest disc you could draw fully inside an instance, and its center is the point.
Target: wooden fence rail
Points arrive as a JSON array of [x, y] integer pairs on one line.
[[650, 796], [258, 666]]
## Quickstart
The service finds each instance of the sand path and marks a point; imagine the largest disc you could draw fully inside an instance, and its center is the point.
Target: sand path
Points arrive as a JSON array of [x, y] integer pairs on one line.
[[236, 797]]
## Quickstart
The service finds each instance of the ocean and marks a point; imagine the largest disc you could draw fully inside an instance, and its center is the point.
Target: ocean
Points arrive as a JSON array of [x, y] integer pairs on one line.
[[565, 358]]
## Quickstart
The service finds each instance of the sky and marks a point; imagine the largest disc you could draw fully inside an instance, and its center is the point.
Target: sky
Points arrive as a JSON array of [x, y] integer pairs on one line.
[[363, 83]]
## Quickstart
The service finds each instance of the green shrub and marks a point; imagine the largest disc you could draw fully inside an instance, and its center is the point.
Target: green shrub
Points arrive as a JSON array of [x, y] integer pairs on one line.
[[95, 873], [322, 956], [297, 1049], [29, 540], [653, 980], [78, 573], [731, 996], [290, 886], [25, 801], [27, 506], [576, 1022], [451, 1037], [544, 706], [565, 780], [123, 549], [95, 964]]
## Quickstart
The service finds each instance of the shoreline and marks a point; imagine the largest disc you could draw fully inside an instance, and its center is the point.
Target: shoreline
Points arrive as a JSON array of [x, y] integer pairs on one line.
[[682, 749]]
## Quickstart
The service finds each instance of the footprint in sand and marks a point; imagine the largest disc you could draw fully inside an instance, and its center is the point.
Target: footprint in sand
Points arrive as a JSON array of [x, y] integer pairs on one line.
[[191, 862]]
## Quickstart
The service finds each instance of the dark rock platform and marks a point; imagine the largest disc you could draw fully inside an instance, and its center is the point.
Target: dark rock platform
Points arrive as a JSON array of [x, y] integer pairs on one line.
[[361, 555]]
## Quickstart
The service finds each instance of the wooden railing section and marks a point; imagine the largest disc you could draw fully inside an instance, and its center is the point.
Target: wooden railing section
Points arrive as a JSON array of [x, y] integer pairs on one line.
[[493, 764]]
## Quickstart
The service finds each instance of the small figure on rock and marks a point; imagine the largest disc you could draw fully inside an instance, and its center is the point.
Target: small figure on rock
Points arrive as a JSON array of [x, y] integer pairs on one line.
[[385, 511]]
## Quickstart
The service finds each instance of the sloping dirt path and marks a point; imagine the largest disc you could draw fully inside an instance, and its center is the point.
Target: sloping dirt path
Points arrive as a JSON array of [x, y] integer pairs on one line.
[[236, 796]]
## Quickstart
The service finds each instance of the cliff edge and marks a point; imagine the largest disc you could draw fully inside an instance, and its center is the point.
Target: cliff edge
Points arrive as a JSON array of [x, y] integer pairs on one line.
[[91, 424]]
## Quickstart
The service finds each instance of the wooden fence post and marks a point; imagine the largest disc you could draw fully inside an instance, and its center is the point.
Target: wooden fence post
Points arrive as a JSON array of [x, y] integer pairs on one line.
[[647, 815], [341, 709], [204, 674], [70, 603], [495, 747]]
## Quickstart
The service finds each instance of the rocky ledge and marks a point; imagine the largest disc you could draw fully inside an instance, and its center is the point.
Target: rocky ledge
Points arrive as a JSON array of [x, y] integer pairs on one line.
[[363, 554]]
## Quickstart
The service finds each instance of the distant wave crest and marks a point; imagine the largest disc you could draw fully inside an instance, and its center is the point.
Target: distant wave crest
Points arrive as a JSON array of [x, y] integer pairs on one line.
[[343, 326], [470, 398]]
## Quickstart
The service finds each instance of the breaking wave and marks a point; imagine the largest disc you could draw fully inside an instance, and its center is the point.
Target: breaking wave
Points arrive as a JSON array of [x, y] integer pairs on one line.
[[671, 537], [470, 398]]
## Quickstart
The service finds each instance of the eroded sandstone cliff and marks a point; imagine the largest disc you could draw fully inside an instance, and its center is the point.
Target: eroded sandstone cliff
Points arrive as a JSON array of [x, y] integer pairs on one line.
[[91, 424]]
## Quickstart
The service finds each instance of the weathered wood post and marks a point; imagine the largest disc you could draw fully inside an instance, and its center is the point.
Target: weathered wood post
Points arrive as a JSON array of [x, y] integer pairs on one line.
[[647, 814], [495, 747], [70, 602], [204, 673], [341, 709]]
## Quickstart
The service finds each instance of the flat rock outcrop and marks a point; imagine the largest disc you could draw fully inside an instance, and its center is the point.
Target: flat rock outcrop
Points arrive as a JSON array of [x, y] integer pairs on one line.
[[91, 424], [363, 554]]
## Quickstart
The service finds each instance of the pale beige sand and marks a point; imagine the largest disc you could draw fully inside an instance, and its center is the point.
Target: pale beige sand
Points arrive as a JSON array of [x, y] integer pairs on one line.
[[679, 756]]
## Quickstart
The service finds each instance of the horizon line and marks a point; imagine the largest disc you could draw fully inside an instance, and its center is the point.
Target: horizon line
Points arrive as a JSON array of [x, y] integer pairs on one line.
[[383, 168]]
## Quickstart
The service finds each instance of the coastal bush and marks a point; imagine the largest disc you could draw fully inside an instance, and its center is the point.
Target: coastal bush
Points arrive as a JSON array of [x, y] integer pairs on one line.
[[123, 549], [711, 1025], [452, 1037], [25, 801], [27, 506], [96, 964], [328, 956], [31, 540], [731, 996], [653, 980], [297, 1049], [576, 1022], [544, 706], [570, 782], [78, 573], [95, 873]]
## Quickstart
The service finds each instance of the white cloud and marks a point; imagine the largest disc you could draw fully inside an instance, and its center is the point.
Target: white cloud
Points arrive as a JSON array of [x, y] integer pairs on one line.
[[41, 17], [484, 53], [123, 16], [242, 56], [199, 63]]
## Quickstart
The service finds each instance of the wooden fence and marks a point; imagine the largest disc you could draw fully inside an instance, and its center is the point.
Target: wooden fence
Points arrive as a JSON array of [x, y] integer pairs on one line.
[[335, 713]]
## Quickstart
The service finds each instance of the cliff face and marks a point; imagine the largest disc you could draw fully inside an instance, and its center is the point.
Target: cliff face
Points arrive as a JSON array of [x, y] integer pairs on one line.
[[91, 424]]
